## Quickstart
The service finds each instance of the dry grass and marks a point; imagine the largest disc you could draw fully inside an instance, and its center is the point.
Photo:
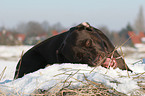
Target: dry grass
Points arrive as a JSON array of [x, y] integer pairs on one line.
[[2, 93], [99, 90], [19, 64], [88, 88], [140, 77], [2, 73]]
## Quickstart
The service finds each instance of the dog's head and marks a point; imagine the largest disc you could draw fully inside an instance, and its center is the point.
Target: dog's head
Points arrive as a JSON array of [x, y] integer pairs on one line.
[[83, 45]]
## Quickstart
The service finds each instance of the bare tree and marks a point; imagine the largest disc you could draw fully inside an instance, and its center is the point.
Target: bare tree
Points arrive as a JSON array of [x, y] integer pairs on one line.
[[21, 27], [34, 29], [139, 23], [58, 27], [45, 25], [106, 31]]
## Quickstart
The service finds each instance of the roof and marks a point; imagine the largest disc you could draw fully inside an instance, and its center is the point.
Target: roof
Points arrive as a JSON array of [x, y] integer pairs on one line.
[[136, 38]]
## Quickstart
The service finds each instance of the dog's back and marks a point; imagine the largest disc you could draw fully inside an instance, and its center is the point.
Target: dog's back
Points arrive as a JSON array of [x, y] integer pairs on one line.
[[39, 56]]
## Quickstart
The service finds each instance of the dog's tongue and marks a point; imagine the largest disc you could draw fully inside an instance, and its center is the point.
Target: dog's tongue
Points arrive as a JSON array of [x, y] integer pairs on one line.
[[109, 62]]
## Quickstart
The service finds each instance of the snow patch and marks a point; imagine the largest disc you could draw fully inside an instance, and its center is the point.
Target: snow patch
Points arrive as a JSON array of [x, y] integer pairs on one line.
[[53, 77]]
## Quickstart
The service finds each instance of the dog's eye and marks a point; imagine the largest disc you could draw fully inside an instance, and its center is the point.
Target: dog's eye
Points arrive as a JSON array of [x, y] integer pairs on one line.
[[88, 43]]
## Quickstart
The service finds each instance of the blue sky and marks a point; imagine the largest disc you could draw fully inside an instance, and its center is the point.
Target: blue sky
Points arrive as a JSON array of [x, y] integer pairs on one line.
[[115, 14]]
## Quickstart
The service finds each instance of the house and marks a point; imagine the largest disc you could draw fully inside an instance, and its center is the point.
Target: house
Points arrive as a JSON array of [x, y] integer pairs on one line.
[[138, 40], [20, 38], [36, 39], [54, 32], [7, 38], [11, 38]]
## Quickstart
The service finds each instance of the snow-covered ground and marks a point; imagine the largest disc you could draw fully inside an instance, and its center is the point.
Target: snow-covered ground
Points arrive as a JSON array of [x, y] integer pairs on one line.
[[53, 77], [9, 56]]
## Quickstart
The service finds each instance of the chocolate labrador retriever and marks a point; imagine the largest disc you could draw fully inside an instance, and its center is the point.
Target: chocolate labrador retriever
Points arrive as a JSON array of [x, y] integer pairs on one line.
[[81, 44]]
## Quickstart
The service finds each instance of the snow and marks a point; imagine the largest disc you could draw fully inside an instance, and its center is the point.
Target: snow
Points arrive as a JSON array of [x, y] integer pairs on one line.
[[12, 51], [140, 47], [10, 69], [53, 77]]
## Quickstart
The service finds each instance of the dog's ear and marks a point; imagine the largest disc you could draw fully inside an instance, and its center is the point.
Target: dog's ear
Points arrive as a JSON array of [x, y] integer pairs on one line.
[[58, 54], [60, 48]]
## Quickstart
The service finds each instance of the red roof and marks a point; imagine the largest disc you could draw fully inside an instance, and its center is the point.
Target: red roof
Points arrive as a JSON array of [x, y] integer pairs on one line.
[[42, 35], [21, 36], [54, 32], [136, 38]]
